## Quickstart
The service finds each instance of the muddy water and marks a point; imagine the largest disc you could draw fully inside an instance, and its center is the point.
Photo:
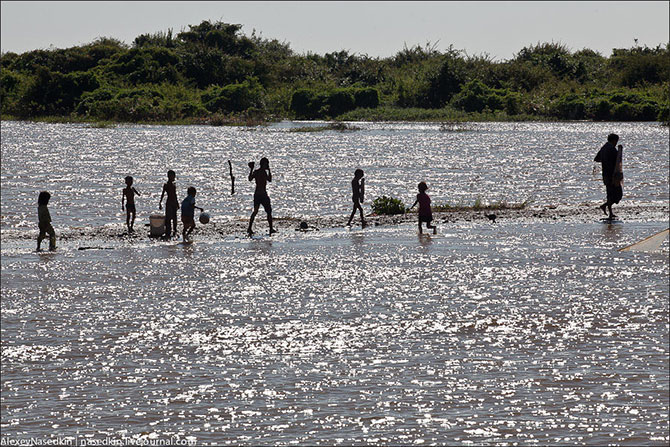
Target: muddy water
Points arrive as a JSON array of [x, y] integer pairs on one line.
[[519, 332]]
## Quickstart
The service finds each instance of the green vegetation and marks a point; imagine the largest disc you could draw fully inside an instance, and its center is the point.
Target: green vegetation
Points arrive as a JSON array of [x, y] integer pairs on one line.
[[212, 73], [388, 206]]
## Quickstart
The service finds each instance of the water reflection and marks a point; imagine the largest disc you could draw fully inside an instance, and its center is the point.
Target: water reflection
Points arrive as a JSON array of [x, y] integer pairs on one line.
[[513, 333]]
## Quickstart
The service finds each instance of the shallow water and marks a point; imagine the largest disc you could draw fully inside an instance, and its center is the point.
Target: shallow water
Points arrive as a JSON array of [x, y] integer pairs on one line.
[[514, 333], [547, 163]]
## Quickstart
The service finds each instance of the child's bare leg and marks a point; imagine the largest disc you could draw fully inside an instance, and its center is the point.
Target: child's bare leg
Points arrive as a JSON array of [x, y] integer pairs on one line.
[[174, 227], [132, 221], [168, 228], [420, 228], [52, 238], [272, 230], [432, 227], [128, 219], [351, 217], [251, 219], [40, 238], [360, 209]]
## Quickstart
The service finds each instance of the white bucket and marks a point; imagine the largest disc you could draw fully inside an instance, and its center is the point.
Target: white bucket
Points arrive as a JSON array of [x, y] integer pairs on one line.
[[157, 224]]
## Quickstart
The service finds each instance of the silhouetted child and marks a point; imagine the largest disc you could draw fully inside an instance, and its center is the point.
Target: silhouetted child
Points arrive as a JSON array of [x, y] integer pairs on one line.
[[188, 212], [171, 205], [357, 195], [129, 196], [425, 213], [45, 221], [261, 197]]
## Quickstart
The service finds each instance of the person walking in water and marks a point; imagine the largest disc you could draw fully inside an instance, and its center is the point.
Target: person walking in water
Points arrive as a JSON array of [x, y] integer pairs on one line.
[[425, 213], [262, 176], [44, 219], [129, 197], [171, 205], [610, 157], [357, 196]]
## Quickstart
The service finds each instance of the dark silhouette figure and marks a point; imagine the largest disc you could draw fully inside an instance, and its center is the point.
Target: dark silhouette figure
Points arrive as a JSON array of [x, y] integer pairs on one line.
[[262, 176], [171, 205], [45, 221], [357, 196], [491, 217], [188, 213], [425, 213], [612, 170], [129, 197]]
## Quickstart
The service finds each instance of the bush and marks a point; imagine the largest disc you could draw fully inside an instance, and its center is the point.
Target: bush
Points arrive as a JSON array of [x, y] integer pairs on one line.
[[367, 98], [339, 102], [664, 113], [234, 97], [388, 206], [476, 97], [570, 107], [310, 103], [600, 110]]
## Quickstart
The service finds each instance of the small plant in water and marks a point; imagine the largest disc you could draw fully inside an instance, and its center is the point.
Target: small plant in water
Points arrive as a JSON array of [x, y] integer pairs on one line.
[[388, 205]]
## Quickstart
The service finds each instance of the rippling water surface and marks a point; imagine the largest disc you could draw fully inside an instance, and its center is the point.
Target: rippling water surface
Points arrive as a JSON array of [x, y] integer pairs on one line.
[[515, 333]]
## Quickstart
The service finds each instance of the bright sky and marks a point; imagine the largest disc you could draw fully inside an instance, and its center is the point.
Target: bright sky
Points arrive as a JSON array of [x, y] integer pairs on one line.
[[378, 29]]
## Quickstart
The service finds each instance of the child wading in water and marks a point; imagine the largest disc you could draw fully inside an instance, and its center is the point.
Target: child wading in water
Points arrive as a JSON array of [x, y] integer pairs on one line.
[[45, 221], [188, 213], [129, 196], [171, 205], [357, 195], [425, 213]]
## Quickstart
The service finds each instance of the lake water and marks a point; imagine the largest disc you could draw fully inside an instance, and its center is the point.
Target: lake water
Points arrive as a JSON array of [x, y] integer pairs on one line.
[[518, 333]]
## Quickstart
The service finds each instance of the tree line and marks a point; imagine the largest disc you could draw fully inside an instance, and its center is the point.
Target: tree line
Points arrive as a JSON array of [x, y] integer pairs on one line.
[[212, 72]]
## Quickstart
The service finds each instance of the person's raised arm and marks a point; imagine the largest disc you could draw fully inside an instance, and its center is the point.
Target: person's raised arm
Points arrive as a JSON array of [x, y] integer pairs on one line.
[[269, 175], [251, 170], [136, 191]]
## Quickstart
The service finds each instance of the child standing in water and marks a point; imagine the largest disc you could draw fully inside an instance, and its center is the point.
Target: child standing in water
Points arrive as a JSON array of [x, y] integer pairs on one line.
[[357, 195], [262, 176], [45, 221], [425, 213], [129, 196], [171, 205], [188, 213]]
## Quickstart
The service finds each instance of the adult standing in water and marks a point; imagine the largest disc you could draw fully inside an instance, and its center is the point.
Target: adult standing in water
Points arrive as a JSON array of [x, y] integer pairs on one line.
[[262, 177], [610, 156]]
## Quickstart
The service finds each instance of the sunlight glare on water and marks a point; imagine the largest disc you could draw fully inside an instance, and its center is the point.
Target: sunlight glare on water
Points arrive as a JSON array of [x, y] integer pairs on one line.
[[515, 333]]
